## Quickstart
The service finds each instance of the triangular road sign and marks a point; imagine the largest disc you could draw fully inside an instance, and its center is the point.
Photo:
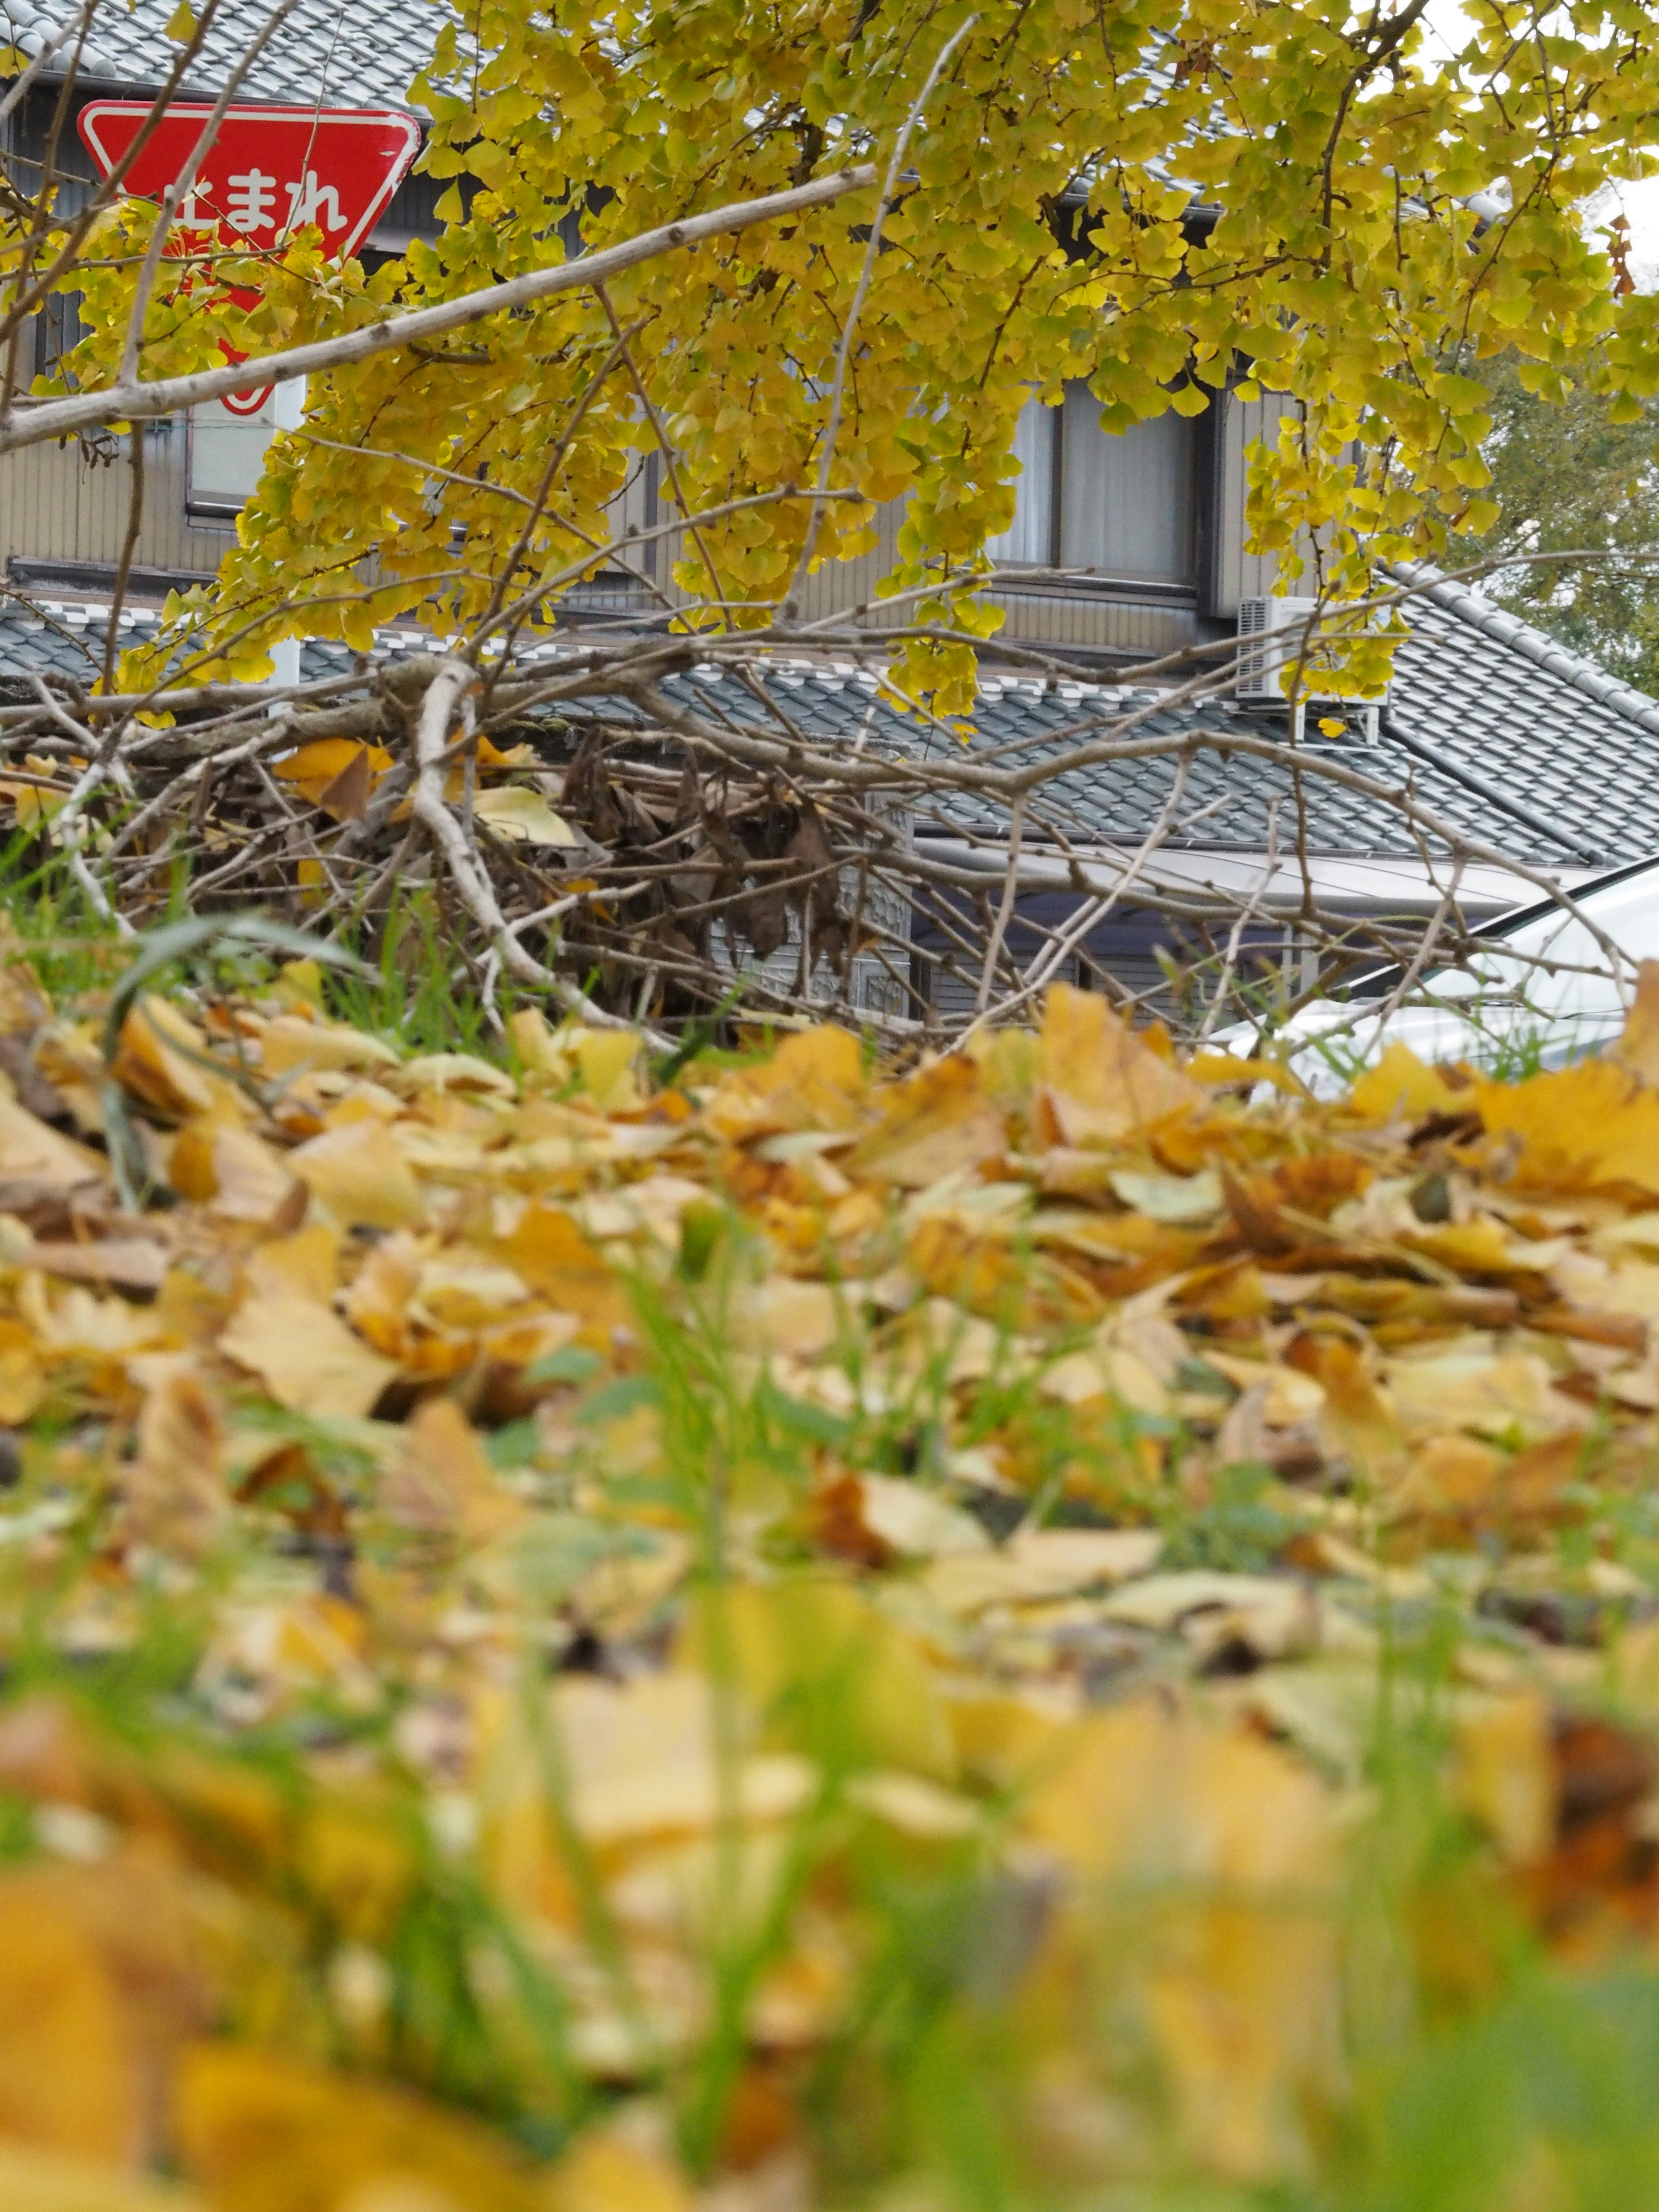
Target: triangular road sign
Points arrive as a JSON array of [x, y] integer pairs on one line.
[[270, 170]]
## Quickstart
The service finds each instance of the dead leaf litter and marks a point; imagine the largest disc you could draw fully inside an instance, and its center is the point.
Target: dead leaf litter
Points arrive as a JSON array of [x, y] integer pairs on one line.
[[582, 1527]]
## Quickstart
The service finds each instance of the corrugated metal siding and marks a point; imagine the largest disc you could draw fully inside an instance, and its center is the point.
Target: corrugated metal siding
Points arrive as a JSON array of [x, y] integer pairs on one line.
[[1241, 575], [55, 505]]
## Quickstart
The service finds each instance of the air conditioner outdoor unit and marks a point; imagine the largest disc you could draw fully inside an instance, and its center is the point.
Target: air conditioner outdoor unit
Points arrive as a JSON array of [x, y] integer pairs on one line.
[[1282, 626]]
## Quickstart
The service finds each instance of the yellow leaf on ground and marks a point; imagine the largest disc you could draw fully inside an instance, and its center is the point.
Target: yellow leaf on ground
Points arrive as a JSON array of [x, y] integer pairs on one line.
[[606, 1059], [1401, 1084], [258, 2132], [1576, 1127], [31, 1151], [176, 1482], [42, 2181], [935, 1123], [288, 1040], [1042, 1562], [1220, 1851], [378, 1300], [445, 1481], [22, 1381], [1505, 1773], [230, 1169], [360, 1176], [782, 1314], [1100, 1081], [600, 2173], [644, 1761], [306, 1356], [66, 2076], [96, 1991], [549, 1253], [814, 1080], [1638, 1048], [300, 1265], [804, 1647], [161, 1057]]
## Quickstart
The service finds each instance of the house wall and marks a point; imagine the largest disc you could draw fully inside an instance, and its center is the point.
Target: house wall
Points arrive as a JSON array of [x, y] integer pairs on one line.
[[56, 504], [59, 504]]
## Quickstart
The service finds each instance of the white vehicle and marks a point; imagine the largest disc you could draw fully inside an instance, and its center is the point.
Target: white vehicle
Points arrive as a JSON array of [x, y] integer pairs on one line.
[[1545, 993]]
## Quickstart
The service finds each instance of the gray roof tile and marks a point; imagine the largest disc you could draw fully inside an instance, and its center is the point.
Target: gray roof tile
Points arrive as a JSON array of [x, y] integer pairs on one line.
[[1503, 734], [327, 52]]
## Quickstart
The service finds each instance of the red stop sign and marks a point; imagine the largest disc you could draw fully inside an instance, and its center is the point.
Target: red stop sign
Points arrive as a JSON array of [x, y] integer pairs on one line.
[[270, 171]]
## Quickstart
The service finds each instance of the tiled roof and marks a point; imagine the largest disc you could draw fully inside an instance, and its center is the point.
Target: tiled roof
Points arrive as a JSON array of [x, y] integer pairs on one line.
[[1492, 725], [327, 52]]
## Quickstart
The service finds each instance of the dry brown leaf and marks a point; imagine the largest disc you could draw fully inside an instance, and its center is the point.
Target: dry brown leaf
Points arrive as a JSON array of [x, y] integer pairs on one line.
[[912, 1521]]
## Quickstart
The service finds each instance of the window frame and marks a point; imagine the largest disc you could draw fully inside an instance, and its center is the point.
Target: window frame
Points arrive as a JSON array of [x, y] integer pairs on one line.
[[1197, 588]]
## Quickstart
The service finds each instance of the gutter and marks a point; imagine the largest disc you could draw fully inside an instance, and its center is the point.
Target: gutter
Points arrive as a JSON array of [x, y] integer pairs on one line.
[[1351, 884]]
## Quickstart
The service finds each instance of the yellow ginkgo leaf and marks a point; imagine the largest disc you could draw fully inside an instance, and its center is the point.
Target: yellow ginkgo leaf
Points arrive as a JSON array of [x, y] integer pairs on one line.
[[307, 1357], [263, 2133], [523, 817], [314, 767], [42, 2181]]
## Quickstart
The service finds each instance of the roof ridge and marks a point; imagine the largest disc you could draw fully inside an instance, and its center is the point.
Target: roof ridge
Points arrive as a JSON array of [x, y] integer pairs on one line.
[[1535, 645]]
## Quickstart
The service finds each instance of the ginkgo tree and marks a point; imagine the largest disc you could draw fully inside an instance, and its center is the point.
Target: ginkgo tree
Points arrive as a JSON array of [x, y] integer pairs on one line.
[[1154, 199], [981, 201]]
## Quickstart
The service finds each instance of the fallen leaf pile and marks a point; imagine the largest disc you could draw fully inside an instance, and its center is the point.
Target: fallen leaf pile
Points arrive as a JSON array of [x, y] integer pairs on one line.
[[1042, 1622]]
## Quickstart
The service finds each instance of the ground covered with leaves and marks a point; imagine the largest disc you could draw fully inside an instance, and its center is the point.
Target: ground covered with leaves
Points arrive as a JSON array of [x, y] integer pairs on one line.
[[1047, 1626]]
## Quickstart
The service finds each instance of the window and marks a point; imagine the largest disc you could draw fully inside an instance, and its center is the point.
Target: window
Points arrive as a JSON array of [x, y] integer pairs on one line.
[[227, 455], [1122, 503]]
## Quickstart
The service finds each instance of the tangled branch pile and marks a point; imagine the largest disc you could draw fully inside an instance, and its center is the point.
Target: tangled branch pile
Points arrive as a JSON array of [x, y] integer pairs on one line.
[[650, 829], [1017, 1628]]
